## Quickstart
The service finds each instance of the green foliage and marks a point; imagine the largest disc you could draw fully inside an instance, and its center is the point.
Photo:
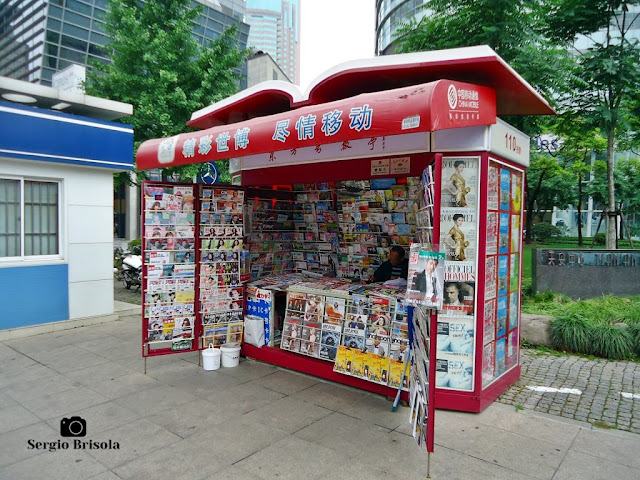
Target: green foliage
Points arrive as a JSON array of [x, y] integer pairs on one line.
[[571, 333], [548, 184], [513, 28], [634, 331], [544, 231], [135, 246], [610, 341], [158, 66], [627, 184], [588, 326], [606, 75], [600, 239]]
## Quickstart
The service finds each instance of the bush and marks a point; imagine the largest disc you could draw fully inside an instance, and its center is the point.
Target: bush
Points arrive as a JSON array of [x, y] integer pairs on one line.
[[600, 239], [634, 331], [571, 334], [543, 231], [612, 342], [135, 246]]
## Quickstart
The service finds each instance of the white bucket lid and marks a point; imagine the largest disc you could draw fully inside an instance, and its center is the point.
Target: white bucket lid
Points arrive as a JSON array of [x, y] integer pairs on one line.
[[230, 346]]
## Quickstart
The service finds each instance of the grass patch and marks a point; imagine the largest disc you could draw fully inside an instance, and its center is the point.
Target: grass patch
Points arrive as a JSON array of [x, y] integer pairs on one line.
[[612, 342], [519, 407], [601, 424], [606, 327]]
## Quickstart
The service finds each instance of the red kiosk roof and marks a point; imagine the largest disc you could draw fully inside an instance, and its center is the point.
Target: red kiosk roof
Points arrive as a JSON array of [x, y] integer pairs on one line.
[[479, 65], [439, 105]]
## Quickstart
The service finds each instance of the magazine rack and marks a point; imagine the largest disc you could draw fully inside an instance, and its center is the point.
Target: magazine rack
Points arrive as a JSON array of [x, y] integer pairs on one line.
[[336, 132]]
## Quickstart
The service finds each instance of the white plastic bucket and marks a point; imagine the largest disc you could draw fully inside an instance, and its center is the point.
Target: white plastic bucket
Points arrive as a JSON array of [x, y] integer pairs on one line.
[[211, 358], [230, 355]]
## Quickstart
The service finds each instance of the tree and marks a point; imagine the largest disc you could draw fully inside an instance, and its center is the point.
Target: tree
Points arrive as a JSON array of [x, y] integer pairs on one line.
[[158, 67], [607, 74], [512, 28], [627, 185], [577, 141], [548, 185]]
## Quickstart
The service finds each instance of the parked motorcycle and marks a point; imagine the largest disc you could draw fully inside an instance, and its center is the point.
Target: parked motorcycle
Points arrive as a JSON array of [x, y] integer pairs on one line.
[[130, 268]]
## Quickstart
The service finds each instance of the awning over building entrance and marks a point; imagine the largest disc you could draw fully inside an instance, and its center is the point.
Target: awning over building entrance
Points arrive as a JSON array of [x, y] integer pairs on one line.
[[429, 107]]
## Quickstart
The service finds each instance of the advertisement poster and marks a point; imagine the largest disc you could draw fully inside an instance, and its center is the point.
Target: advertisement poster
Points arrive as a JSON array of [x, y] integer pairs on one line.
[[489, 321], [502, 316], [458, 233], [460, 272], [516, 192], [514, 272], [490, 277], [488, 363], [512, 349], [492, 233], [259, 304], [501, 354], [503, 274], [505, 189], [515, 233], [455, 335], [458, 298], [514, 311], [459, 182], [503, 245], [492, 188], [454, 371], [425, 281]]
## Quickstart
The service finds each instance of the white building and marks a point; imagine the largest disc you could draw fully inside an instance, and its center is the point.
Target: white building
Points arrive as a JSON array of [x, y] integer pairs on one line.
[[58, 153]]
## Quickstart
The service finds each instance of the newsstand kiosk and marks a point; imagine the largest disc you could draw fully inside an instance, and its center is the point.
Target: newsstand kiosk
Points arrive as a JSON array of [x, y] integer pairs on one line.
[[366, 137]]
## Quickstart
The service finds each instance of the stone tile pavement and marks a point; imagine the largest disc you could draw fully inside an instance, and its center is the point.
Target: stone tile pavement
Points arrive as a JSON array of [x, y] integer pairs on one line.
[[599, 381], [256, 421]]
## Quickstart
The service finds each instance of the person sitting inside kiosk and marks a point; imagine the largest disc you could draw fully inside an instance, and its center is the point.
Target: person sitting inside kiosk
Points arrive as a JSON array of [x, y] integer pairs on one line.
[[396, 267]]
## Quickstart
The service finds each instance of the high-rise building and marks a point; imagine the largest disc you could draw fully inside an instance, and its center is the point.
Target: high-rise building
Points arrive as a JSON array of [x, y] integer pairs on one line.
[[39, 38], [275, 29], [390, 15]]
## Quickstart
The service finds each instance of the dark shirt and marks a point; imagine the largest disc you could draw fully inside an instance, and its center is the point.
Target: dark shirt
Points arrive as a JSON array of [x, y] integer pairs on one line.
[[384, 271]]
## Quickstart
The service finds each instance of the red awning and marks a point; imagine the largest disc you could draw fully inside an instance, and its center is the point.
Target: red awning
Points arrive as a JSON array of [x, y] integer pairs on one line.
[[438, 105]]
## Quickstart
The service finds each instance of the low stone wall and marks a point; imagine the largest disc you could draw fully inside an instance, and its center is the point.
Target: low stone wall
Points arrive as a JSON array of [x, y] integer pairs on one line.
[[586, 273], [535, 329]]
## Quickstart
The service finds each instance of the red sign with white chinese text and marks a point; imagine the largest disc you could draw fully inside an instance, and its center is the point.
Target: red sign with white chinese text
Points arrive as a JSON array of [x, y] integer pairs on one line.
[[433, 106]]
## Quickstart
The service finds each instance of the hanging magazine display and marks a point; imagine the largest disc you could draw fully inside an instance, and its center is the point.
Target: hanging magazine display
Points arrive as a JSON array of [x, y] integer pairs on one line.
[[425, 280], [459, 182], [193, 267], [168, 248], [421, 393], [458, 233]]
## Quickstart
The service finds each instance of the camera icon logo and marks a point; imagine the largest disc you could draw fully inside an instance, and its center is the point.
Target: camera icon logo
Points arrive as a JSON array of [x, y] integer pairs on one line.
[[73, 427]]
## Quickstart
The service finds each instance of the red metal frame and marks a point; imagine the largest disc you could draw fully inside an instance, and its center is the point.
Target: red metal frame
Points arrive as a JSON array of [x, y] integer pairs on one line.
[[198, 328], [479, 399], [145, 321]]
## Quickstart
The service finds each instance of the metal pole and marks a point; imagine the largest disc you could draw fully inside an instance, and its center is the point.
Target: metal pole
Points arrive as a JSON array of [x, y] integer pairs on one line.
[[145, 365]]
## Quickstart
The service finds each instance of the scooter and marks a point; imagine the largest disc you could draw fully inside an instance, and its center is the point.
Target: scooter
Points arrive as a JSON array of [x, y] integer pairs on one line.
[[132, 271]]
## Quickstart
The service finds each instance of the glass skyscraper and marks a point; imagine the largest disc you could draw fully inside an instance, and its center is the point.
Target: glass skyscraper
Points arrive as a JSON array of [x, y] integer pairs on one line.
[[275, 29], [390, 15], [39, 38]]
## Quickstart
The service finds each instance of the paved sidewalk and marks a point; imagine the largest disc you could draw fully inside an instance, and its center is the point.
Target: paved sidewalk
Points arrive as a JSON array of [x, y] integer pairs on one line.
[[600, 383], [258, 422]]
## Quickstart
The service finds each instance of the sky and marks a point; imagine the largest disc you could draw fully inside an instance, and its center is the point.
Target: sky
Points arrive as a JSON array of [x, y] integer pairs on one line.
[[332, 32]]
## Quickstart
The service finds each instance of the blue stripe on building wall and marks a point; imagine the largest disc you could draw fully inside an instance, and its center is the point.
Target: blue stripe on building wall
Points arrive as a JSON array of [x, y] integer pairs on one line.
[[34, 295], [36, 134]]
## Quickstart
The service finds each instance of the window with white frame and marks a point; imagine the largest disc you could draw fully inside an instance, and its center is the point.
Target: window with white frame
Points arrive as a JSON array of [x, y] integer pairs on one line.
[[29, 217]]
